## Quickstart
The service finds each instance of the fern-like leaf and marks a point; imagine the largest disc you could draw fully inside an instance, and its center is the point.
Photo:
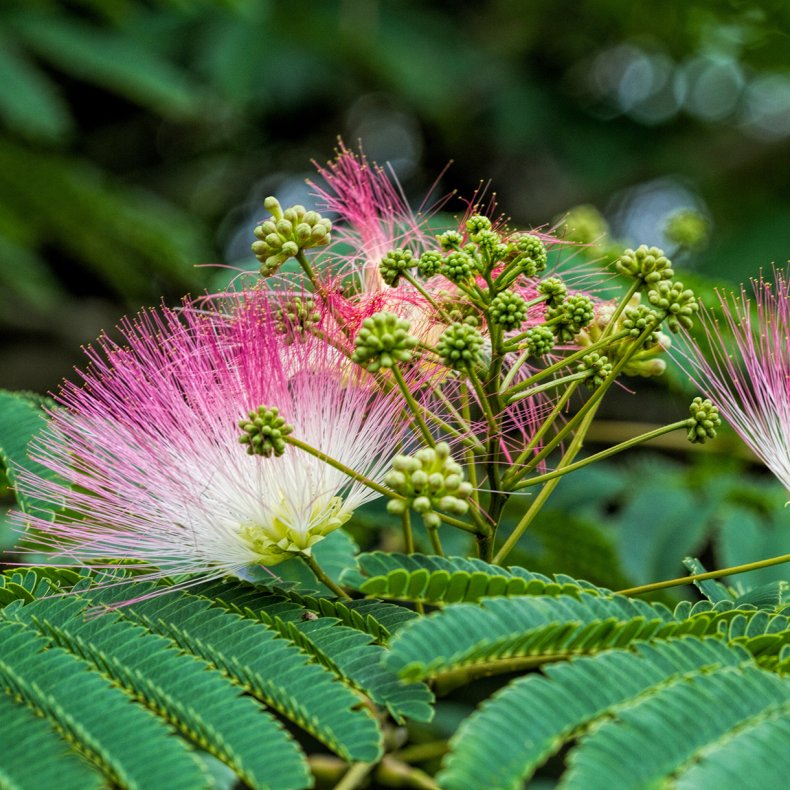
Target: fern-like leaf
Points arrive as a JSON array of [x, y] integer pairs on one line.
[[526, 722], [441, 580], [26, 734], [537, 628], [270, 668], [344, 650], [663, 733], [129, 745], [201, 704], [20, 421]]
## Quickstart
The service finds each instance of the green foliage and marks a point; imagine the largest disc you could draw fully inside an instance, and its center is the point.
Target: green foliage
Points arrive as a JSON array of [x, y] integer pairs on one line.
[[611, 669], [21, 420], [643, 714], [440, 580], [128, 744]]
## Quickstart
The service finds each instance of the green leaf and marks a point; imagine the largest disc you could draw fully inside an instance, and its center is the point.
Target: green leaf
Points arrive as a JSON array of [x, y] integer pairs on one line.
[[110, 59], [271, 669], [344, 650], [205, 707], [29, 103], [515, 731], [440, 580], [660, 734], [754, 756], [520, 632], [26, 735], [334, 554], [128, 744], [20, 422]]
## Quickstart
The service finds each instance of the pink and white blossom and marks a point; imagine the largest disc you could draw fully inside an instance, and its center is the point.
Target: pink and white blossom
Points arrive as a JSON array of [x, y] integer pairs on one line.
[[743, 366], [148, 455]]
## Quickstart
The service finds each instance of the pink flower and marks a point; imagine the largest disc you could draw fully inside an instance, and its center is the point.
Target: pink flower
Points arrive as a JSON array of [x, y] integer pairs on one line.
[[372, 214], [149, 455], [745, 368]]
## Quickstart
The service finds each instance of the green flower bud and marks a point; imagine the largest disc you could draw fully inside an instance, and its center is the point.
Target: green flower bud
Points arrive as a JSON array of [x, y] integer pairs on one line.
[[508, 309], [688, 229], [429, 264], [527, 252], [263, 432], [382, 341], [703, 422], [460, 347], [286, 233], [640, 318], [394, 263], [554, 289], [569, 318], [428, 481], [585, 225], [457, 267], [647, 264], [476, 224], [539, 340], [598, 366], [676, 302], [450, 240], [490, 246]]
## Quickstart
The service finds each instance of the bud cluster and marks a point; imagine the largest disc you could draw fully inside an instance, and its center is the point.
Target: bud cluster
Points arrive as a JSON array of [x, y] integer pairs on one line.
[[382, 341], [703, 422], [264, 431], [428, 481], [678, 303], [570, 317], [287, 232], [597, 366], [508, 310], [647, 264], [460, 346], [526, 253], [394, 264]]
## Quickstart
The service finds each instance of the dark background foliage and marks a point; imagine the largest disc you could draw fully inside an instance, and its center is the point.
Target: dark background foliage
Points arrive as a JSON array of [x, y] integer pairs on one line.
[[139, 138]]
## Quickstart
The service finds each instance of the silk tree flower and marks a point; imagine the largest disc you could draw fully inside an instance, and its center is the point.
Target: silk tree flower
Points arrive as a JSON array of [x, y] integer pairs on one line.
[[149, 456], [744, 368]]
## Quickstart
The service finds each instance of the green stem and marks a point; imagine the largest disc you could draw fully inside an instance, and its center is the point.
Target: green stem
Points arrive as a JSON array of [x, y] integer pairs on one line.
[[341, 467], [355, 775], [408, 534], [525, 454], [471, 460], [645, 437], [485, 547], [589, 407], [394, 773], [455, 522], [414, 407], [580, 376], [420, 752], [436, 543], [308, 270], [409, 277], [698, 577], [514, 369], [324, 579], [565, 361], [620, 307], [546, 491], [482, 397]]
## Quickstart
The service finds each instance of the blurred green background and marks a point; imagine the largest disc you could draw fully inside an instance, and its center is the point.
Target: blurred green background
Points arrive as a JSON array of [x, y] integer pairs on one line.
[[139, 138]]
